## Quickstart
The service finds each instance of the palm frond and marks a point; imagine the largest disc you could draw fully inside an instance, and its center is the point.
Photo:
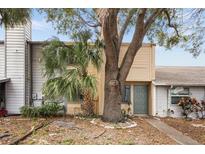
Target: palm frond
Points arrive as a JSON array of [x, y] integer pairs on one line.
[[55, 57], [62, 81], [67, 85]]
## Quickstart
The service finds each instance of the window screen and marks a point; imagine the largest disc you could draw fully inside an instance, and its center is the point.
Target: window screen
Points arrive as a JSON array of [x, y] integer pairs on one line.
[[126, 94]]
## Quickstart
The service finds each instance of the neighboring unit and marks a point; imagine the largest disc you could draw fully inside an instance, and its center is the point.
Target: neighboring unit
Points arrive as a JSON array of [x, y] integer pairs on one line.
[[173, 83]]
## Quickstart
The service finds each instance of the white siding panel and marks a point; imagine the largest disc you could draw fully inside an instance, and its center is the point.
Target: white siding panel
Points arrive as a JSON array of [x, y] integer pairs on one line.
[[197, 92], [2, 60], [37, 78], [16, 55], [161, 101]]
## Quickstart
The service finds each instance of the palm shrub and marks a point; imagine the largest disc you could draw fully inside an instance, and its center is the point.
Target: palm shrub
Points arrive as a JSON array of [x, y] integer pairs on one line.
[[65, 66]]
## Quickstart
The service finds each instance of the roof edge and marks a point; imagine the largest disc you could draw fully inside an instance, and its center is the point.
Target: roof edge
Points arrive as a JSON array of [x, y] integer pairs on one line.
[[124, 43]]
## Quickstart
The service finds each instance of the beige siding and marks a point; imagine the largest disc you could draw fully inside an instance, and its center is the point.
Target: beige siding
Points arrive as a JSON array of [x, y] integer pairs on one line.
[[2, 60], [142, 70], [143, 65]]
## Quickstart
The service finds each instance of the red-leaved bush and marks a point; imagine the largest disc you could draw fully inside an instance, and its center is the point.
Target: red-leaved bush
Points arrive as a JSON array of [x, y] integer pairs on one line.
[[190, 105]]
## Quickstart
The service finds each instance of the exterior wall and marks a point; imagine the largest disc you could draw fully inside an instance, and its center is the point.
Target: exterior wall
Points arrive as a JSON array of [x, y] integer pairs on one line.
[[37, 78], [15, 40], [75, 107], [198, 92], [142, 70], [143, 67], [163, 103], [150, 102], [163, 100], [2, 60]]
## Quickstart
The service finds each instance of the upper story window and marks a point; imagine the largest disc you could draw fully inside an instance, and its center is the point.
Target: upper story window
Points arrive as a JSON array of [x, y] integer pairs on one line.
[[126, 94], [177, 93]]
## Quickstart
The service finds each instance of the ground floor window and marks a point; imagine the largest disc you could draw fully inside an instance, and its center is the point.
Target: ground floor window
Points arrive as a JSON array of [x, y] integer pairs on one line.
[[177, 93], [126, 94]]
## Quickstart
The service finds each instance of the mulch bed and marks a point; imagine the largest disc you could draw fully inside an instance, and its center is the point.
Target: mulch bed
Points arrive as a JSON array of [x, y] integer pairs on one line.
[[195, 128], [70, 131]]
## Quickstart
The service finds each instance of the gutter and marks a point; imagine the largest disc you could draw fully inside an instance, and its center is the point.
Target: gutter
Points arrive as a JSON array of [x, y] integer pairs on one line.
[[166, 84]]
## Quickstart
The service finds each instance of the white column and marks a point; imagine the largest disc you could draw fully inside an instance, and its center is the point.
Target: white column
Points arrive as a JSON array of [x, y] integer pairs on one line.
[[132, 99]]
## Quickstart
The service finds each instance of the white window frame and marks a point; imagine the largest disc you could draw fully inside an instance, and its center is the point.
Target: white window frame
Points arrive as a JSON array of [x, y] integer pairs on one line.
[[183, 95]]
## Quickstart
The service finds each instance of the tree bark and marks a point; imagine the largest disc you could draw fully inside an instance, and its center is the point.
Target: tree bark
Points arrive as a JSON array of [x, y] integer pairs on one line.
[[112, 99], [112, 88]]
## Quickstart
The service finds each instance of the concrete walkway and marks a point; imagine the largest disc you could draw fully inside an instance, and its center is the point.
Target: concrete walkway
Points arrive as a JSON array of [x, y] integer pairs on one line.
[[171, 132]]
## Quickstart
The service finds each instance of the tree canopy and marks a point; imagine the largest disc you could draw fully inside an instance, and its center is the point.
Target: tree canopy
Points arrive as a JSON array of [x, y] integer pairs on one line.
[[14, 16], [165, 27]]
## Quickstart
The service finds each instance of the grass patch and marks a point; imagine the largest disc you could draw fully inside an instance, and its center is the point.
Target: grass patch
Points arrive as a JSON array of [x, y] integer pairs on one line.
[[127, 142], [67, 142]]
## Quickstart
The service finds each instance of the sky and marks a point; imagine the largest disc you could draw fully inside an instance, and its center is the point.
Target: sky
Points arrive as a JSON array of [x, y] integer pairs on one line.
[[41, 31]]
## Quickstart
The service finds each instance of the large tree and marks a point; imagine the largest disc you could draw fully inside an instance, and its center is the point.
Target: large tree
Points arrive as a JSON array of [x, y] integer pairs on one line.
[[166, 27], [11, 17]]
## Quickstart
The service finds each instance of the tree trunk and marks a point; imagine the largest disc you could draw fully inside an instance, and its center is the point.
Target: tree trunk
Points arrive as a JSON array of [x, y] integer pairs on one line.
[[112, 98]]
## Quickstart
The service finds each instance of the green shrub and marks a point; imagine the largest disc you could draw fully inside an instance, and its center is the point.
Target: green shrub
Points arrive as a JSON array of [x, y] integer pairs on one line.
[[30, 112], [46, 110], [50, 109]]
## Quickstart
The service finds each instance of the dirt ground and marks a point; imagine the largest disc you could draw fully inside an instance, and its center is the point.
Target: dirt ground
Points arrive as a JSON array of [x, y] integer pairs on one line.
[[195, 128], [15, 126], [83, 132]]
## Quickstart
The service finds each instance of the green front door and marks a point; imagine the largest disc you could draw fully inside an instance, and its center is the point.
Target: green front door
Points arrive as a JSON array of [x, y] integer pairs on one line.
[[140, 99]]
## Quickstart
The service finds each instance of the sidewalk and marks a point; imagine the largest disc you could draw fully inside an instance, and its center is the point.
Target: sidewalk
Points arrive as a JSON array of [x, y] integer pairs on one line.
[[172, 133]]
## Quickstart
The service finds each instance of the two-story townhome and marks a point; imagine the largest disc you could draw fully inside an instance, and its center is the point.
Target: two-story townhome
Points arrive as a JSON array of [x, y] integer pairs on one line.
[[148, 88]]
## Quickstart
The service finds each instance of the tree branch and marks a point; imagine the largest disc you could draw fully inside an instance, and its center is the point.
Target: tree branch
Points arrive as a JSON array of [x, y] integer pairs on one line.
[[140, 31], [124, 26], [152, 18], [87, 23], [134, 46], [170, 24]]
